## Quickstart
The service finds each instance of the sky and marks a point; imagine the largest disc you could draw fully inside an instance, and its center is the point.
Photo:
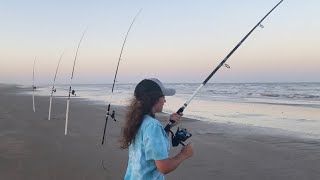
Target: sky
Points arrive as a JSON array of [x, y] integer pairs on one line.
[[173, 40]]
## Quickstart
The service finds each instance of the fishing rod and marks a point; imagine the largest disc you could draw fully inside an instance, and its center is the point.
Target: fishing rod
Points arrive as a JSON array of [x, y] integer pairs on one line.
[[33, 87], [182, 135], [53, 90], [70, 88], [112, 115]]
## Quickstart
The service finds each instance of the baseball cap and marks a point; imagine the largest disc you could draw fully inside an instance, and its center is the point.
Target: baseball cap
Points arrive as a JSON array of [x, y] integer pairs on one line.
[[153, 85]]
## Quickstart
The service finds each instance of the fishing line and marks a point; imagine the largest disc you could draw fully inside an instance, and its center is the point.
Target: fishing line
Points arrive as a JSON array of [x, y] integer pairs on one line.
[[171, 122], [112, 115]]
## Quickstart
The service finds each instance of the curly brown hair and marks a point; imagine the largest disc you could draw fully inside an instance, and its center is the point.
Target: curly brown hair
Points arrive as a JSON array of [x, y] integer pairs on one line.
[[141, 104]]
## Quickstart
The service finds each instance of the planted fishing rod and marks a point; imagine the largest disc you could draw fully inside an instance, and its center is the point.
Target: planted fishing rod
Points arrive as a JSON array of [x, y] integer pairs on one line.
[[112, 115], [53, 90], [71, 91], [33, 87], [182, 135]]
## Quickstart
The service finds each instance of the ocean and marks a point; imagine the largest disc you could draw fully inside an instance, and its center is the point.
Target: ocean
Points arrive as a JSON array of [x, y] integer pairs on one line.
[[289, 106]]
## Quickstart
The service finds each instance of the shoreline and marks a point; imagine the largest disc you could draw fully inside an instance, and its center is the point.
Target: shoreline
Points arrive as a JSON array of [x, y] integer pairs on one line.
[[300, 121], [31, 147]]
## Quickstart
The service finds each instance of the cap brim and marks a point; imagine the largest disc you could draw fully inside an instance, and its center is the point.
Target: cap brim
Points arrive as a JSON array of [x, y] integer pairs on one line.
[[168, 91], [165, 91]]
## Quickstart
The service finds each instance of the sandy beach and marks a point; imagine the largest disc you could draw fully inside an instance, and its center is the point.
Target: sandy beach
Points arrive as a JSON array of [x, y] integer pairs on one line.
[[31, 147]]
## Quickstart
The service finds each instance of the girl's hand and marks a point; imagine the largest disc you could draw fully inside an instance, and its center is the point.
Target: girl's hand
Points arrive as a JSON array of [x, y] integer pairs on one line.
[[176, 118]]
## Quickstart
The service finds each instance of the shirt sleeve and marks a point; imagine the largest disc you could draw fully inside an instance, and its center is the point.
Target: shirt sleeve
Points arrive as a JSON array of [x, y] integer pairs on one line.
[[156, 143]]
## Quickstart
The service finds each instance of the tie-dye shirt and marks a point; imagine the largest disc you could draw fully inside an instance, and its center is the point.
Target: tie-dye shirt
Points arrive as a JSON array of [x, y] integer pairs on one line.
[[151, 143]]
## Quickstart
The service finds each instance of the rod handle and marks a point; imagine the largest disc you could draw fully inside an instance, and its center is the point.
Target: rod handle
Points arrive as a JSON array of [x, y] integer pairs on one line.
[[171, 122]]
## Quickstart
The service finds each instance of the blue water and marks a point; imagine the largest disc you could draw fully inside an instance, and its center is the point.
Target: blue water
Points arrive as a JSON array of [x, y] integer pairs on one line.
[[289, 106]]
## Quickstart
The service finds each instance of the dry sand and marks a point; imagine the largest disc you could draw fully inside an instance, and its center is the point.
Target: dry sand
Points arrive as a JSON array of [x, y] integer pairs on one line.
[[31, 147]]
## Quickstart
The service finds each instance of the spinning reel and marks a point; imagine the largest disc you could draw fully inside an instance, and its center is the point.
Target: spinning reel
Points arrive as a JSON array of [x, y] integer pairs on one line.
[[112, 115], [73, 92], [179, 137]]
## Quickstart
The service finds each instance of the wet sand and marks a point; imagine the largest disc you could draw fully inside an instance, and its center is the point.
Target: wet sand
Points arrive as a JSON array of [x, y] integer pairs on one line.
[[31, 147]]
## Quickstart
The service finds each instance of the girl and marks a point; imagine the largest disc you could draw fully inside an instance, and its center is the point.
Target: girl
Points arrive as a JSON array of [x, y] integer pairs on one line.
[[145, 137]]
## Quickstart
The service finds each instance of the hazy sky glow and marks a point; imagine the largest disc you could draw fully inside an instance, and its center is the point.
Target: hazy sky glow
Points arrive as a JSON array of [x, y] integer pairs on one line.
[[176, 41]]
